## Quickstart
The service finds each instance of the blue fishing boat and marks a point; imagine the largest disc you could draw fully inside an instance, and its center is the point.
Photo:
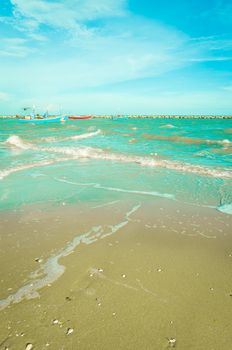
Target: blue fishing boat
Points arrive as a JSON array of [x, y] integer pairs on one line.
[[43, 120]]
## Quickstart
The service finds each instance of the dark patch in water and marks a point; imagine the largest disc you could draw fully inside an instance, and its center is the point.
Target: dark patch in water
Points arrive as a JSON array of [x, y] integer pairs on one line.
[[184, 139]]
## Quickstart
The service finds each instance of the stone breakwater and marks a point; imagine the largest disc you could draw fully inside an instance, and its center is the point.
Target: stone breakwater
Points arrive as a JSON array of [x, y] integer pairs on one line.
[[164, 116], [142, 116]]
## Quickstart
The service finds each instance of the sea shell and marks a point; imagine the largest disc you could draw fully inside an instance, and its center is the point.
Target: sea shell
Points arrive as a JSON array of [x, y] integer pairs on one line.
[[69, 331], [29, 346], [172, 342], [55, 321]]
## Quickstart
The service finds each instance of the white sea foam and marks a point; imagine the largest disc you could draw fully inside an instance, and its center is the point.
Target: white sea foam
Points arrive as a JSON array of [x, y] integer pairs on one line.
[[168, 126], [83, 136], [144, 161], [225, 208], [226, 142], [104, 204], [74, 137], [16, 141], [74, 152], [100, 154], [51, 270], [115, 189], [49, 139], [6, 172], [146, 193]]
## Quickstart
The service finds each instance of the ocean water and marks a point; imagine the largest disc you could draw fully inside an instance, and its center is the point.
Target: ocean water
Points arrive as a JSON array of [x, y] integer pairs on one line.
[[107, 222], [102, 160]]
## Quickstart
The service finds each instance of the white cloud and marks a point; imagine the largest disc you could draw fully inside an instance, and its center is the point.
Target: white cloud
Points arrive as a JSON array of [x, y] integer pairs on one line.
[[119, 53], [214, 43], [15, 47], [211, 48], [122, 48], [69, 15], [211, 59]]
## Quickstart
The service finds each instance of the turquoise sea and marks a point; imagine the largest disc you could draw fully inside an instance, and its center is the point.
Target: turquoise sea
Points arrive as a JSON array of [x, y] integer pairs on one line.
[[102, 160]]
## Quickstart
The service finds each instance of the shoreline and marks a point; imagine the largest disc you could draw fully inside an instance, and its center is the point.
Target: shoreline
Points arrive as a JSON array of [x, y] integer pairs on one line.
[[142, 116]]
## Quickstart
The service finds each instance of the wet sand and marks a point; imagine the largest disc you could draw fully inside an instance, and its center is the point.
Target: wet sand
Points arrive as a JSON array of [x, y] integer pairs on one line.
[[152, 275]]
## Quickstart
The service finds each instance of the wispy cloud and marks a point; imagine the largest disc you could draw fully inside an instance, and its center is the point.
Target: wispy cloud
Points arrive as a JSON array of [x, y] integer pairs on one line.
[[59, 48], [211, 48], [211, 59], [122, 49], [140, 42], [69, 15], [15, 47]]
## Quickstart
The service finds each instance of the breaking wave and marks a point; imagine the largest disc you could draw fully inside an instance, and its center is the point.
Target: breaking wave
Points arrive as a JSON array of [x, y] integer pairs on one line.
[[100, 154], [75, 137]]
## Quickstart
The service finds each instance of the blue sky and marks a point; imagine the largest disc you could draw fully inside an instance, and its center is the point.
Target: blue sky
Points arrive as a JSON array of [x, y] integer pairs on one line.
[[116, 56]]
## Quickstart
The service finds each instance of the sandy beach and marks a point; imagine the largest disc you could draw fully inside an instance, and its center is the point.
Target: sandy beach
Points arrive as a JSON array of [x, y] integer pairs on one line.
[[149, 276], [115, 175]]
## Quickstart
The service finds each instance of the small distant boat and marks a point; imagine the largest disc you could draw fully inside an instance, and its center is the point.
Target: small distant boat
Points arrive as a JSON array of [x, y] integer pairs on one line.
[[80, 117], [120, 117], [43, 120]]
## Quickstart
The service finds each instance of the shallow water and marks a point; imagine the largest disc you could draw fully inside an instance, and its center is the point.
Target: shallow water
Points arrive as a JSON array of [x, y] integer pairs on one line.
[[186, 160]]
